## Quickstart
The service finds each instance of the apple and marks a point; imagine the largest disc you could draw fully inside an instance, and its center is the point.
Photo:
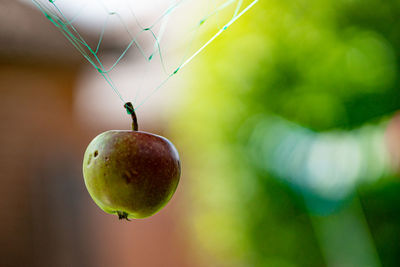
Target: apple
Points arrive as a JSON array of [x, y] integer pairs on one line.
[[130, 173]]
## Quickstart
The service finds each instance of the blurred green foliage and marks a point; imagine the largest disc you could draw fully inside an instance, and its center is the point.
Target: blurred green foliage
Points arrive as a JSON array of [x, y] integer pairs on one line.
[[322, 64]]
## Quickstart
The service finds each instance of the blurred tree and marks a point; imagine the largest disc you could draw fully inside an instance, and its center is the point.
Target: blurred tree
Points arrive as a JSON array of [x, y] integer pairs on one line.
[[326, 66]]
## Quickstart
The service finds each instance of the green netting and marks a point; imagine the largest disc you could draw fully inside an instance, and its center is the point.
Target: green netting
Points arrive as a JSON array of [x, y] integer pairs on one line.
[[163, 35]]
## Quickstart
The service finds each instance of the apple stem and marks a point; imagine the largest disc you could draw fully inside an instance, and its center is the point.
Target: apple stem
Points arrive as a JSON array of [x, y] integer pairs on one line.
[[131, 111]]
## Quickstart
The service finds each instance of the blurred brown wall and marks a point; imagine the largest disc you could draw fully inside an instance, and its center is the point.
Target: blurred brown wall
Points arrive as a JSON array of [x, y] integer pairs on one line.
[[37, 130]]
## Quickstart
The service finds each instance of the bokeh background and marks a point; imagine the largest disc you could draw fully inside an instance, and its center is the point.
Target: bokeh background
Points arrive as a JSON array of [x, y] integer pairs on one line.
[[286, 127]]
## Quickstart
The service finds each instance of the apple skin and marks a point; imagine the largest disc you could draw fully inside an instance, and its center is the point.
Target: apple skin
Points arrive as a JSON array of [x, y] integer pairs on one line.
[[131, 174]]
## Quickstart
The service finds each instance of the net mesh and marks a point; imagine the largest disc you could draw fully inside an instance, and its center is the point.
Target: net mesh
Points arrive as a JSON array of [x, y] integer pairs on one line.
[[158, 38]]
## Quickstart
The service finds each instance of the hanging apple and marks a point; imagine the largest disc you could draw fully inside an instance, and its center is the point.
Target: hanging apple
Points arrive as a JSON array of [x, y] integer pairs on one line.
[[131, 174]]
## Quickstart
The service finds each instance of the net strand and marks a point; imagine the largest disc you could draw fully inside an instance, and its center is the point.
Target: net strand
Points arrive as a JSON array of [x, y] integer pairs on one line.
[[219, 33], [55, 15], [199, 51]]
